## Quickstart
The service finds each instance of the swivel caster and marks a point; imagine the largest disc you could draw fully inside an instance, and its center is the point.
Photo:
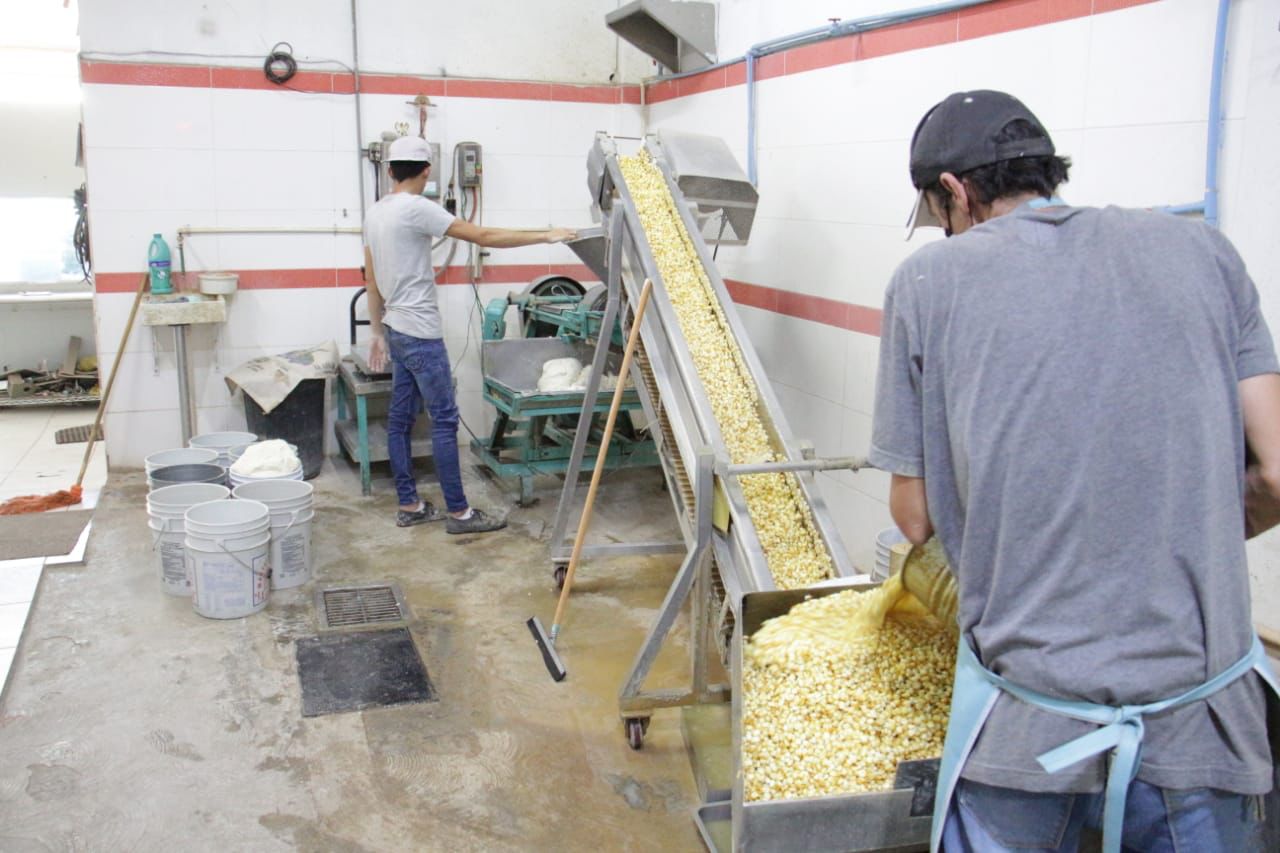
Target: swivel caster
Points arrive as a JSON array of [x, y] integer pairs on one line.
[[635, 728], [559, 575]]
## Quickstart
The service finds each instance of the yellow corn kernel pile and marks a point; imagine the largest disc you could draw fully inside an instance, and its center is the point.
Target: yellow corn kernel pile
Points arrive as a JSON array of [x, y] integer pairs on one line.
[[778, 509], [832, 709]]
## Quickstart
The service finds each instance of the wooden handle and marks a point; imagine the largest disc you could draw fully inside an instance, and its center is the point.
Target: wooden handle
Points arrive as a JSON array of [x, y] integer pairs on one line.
[[633, 340], [111, 380]]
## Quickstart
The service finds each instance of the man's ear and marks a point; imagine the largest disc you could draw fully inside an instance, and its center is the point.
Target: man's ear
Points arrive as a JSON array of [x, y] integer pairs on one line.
[[956, 188]]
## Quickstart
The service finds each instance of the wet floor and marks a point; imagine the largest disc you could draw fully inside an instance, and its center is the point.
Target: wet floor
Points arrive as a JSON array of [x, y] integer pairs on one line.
[[130, 723]]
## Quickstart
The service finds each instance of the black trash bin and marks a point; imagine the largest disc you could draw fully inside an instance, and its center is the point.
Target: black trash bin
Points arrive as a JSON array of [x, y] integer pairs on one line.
[[298, 420]]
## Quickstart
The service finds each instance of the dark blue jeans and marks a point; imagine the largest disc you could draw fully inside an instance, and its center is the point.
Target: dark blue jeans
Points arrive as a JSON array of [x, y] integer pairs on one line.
[[420, 373], [987, 819]]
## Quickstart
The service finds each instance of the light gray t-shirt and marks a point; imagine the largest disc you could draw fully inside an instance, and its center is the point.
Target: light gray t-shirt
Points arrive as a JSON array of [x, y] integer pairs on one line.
[[1065, 380], [398, 231]]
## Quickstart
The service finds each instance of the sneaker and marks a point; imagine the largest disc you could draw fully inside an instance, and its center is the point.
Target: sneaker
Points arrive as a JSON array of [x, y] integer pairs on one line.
[[477, 523], [404, 518]]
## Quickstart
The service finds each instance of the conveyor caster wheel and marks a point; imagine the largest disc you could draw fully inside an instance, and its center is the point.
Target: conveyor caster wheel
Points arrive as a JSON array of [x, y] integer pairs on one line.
[[559, 575], [636, 728]]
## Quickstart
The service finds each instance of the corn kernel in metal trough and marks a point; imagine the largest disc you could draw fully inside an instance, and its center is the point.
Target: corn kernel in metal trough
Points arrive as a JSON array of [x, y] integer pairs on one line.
[[830, 708], [778, 509]]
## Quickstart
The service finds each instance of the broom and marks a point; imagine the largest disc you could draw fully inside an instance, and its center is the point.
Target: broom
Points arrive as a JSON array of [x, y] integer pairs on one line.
[[547, 642], [70, 497]]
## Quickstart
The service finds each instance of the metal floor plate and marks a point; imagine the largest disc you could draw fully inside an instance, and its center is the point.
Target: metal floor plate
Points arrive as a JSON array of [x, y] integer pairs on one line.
[[369, 669]]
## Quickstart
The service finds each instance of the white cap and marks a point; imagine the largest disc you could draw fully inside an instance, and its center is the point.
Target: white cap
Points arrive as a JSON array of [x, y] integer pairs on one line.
[[921, 216], [409, 149]]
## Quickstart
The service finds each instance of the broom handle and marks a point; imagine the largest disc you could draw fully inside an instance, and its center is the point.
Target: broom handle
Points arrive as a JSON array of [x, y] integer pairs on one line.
[[111, 380], [633, 341]]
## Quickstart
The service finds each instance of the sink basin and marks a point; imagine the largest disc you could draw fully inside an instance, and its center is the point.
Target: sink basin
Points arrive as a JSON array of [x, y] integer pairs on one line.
[[182, 309]]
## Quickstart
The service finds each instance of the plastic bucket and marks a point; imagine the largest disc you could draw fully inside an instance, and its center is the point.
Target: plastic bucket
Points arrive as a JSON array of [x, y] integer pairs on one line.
[[222, 442], [228, 557], [885, 540], [166, 508], [292, 508], [172, 475], [181, 456]]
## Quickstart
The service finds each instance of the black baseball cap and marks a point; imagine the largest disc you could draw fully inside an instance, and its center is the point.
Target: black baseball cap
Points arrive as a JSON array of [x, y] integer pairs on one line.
[[958, 134]]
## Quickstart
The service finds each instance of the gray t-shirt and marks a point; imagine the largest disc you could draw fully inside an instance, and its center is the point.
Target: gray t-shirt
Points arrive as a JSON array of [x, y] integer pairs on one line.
[[1065, 380], [398, 231]]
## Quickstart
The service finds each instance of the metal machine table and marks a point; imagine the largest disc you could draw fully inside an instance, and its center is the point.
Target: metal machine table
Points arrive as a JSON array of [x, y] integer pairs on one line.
[[365, 446]]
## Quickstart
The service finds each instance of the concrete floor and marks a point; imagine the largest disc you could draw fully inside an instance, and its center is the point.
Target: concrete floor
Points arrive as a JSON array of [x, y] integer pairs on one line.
[[33, 463], [131, 723]]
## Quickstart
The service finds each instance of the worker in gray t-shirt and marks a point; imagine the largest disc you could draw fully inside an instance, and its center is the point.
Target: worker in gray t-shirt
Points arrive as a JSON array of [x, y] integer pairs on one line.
[[405, 319], [1064, 396]]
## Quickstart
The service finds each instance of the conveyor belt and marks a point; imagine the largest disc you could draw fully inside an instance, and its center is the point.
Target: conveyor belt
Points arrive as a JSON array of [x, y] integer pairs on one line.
[[724, 561]]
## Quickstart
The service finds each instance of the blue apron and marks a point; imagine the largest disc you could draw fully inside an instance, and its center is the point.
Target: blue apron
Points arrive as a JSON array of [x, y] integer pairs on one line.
[[977, 689]]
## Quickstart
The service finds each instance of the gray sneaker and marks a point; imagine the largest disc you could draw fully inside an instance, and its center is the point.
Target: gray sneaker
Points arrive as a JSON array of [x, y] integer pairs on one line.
[[477, 523], [404, 518]]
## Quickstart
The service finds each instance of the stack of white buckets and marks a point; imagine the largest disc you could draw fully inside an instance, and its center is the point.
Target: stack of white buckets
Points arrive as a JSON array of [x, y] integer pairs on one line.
[[228, 555]]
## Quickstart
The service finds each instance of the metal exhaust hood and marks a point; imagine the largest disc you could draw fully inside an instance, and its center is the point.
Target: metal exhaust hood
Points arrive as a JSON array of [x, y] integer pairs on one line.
[[681, 36]]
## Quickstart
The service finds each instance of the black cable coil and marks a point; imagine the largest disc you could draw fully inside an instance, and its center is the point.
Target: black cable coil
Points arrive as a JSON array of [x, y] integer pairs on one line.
[[280, 65]]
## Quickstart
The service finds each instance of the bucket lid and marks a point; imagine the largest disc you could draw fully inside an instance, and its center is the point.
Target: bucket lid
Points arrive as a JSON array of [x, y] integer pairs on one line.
[[227, 516], [274, 491], [190, 473], [183, 495], [181, 456], [222, 440]]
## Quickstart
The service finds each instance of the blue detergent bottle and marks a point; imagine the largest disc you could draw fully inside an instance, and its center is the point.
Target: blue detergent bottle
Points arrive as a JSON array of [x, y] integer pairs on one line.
[[158, 263]]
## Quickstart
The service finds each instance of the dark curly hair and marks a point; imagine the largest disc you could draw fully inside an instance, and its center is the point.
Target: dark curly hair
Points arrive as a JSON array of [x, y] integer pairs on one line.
[[1040, 175]]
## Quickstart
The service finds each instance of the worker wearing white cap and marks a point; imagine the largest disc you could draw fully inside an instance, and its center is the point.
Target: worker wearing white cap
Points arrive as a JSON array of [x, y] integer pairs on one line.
[[1064, 397], [404, 316]]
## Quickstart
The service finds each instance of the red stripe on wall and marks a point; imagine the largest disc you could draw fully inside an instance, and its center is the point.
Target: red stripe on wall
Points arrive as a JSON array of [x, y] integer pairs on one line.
[[1002, 17], [830, 312], [916, 35], [220, 77], [142, 74], [820, 55], [290, 279], [864, 319]]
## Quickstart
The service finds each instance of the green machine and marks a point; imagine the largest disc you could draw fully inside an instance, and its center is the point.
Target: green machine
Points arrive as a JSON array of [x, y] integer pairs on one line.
[[533, 432]]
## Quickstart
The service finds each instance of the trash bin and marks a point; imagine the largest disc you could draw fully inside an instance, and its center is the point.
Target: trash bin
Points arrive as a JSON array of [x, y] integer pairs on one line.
[[299, 420]]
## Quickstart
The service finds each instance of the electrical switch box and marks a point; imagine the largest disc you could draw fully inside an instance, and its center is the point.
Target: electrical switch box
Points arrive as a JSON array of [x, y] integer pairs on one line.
[[472, 168]]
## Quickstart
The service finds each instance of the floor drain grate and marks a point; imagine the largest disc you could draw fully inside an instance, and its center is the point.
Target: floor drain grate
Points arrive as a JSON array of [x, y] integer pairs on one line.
[[359, 606]]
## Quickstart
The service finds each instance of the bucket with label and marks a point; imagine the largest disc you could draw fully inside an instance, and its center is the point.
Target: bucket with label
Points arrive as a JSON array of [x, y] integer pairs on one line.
[[181, 456], [292, 508], [222, 442], [172, 475], [229, 557], [166, 509]]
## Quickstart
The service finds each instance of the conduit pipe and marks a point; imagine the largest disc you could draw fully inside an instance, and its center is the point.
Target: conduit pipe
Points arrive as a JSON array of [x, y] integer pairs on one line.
[[355, 77], [1213, 153]]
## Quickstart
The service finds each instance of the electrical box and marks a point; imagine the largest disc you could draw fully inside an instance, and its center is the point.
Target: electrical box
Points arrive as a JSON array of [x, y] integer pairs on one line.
[[472, 169], [434, 183]]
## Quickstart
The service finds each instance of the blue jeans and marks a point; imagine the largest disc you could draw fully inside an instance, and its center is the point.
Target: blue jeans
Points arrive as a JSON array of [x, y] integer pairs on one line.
[[986, 819], [420, 373]]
